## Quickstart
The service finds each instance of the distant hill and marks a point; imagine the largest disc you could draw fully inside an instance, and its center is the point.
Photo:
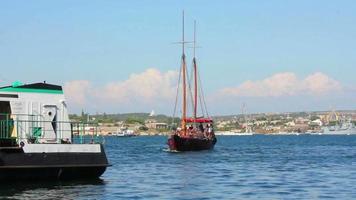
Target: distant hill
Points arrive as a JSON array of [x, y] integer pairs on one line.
[[142, 117], [127, 117]]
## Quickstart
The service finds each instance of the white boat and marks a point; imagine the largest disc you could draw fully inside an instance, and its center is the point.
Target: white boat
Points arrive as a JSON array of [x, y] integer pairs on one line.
[[124, 132], [242, 134], [314, 132], [234, 133]]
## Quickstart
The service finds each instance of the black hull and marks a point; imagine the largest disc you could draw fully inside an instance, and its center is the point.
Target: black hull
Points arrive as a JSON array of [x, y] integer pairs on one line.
[[17, 165], [177, 143], [51, 173]]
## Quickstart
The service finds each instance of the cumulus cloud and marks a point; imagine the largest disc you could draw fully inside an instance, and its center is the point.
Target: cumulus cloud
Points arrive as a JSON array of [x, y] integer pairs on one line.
[[77, 91], [153, 88], [319, 83], [285, 84], [149, 86]]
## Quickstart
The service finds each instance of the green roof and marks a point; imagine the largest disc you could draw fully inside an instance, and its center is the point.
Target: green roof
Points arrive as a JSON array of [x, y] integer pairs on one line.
[[31, 90]]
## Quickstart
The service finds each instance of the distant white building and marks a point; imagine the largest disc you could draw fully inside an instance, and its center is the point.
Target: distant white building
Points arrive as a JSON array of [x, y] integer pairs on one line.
[[153, 124], [290, 124], [301, 120], [259, 123], [152, 113], [316, 122]]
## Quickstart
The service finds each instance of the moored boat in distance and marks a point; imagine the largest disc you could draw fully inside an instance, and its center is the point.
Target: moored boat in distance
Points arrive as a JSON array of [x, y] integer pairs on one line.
[[195, 133], [234, 133], [124, 132], [37, 140]]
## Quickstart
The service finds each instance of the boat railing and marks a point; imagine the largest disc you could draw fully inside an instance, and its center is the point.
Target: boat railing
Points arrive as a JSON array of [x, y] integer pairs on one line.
[[86, 132], [35, 130], [6, 125]]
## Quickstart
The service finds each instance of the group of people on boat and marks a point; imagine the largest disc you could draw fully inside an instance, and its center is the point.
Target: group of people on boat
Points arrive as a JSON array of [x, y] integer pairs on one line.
[[199, 131]]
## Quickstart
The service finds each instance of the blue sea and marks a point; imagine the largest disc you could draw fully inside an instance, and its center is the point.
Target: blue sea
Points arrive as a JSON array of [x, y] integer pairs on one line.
[[240, 167]]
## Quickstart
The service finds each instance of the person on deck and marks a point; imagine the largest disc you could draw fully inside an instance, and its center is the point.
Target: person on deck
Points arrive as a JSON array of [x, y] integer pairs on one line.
[[206, 133], [190, 130], [210, 130], [201, 127]]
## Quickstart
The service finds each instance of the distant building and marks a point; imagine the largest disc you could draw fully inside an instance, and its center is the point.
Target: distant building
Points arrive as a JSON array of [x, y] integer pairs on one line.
[[301, 120], [153, 124], [316, 122], [107, 124], [222, 124], [260, 123], [290, 124], [274, 122]]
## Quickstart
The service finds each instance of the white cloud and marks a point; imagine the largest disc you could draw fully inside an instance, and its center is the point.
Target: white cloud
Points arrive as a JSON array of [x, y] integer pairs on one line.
[[77, 91], [285, 84], [319, 83], [154, 89], [146, 87]]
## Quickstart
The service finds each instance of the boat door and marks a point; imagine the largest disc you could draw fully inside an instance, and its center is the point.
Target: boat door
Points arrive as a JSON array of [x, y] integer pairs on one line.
[[50, 122], [6, 123]]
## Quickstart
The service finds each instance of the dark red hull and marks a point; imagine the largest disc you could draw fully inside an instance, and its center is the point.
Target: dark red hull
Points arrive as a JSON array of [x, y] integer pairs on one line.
[[177, 143]]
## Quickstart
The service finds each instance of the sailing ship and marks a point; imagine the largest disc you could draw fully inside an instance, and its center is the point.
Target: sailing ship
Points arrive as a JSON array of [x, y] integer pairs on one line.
[[195, 133]]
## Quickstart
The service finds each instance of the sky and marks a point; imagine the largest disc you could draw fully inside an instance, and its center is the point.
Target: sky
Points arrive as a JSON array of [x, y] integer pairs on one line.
[[121, 56]]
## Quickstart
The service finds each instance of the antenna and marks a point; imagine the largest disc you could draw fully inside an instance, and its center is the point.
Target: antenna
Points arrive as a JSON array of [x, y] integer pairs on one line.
[[184, 114], [195, 75], [194, 42], [183, 33], [183, 42]]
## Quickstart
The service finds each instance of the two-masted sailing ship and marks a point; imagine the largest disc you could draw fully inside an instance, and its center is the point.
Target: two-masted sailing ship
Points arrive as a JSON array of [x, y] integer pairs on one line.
[[196, 132]]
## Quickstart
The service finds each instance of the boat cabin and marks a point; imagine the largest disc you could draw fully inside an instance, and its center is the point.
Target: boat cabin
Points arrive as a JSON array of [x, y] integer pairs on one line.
[[37, 140], [33, 114]]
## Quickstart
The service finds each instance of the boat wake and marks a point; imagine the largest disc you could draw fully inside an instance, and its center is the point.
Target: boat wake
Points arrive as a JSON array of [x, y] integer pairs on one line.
[[171, 151]]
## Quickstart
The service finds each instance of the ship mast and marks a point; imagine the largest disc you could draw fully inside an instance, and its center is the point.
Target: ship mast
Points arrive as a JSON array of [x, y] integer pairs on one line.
[[195, 75], [184, 114]]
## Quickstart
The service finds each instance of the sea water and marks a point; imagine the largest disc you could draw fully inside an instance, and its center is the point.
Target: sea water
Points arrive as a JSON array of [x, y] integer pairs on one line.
[[240, 167]]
